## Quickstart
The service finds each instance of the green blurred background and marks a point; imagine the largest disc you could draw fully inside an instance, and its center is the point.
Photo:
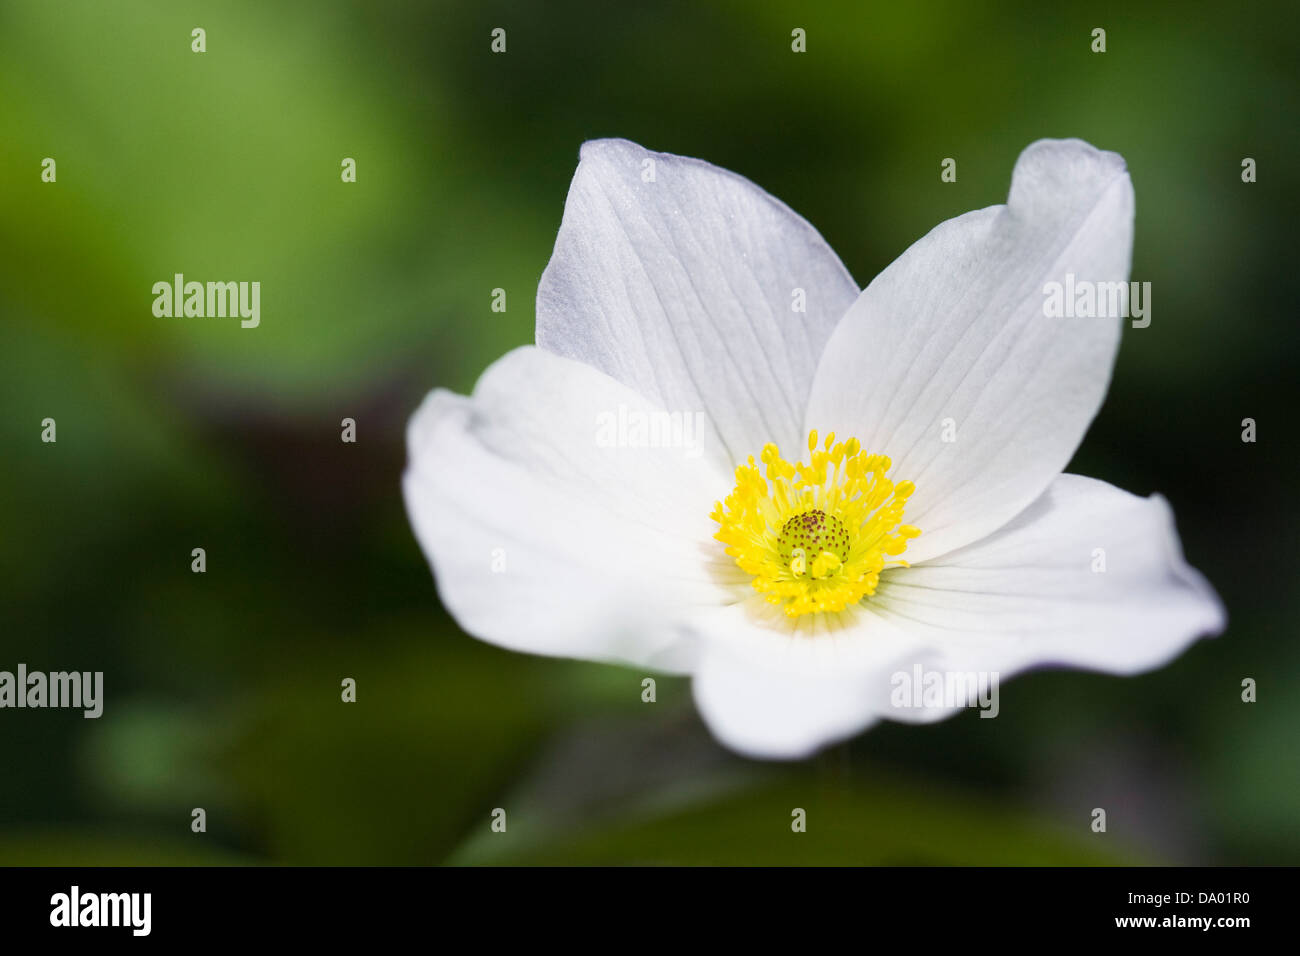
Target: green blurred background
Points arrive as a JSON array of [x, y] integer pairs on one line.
[[223, 688]]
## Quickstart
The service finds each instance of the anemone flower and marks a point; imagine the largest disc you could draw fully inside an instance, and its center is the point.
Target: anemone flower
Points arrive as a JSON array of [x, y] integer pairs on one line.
[[722, 459]]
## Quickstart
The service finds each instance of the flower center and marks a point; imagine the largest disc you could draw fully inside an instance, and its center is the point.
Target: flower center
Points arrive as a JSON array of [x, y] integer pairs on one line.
[[814, 533], [815, 537]]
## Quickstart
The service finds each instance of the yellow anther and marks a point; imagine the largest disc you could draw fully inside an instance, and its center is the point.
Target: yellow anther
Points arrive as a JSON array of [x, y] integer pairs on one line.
[[826, 564]]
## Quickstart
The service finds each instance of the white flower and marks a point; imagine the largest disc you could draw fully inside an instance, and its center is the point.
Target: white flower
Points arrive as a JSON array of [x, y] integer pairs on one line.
[[568, 508]]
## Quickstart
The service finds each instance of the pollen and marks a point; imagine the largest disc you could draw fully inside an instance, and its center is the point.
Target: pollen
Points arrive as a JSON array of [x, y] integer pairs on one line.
[[816, 536]]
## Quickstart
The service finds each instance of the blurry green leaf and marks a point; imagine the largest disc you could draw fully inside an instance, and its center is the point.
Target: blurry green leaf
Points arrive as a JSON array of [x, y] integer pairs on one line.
[[97, 848], [397, 777], [848, 824]]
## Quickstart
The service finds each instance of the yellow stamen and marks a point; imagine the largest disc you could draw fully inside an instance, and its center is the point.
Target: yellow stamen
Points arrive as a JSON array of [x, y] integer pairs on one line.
[[816, 536]]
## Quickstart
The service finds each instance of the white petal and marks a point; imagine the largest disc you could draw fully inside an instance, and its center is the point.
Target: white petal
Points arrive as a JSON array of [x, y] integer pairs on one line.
[[1026, 596], [684, 288], [1034, 594], [955, 330], [545, 539], [771, 688]]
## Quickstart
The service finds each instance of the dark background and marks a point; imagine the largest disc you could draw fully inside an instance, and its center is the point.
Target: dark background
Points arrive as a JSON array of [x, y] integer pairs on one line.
[[223, 688]]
